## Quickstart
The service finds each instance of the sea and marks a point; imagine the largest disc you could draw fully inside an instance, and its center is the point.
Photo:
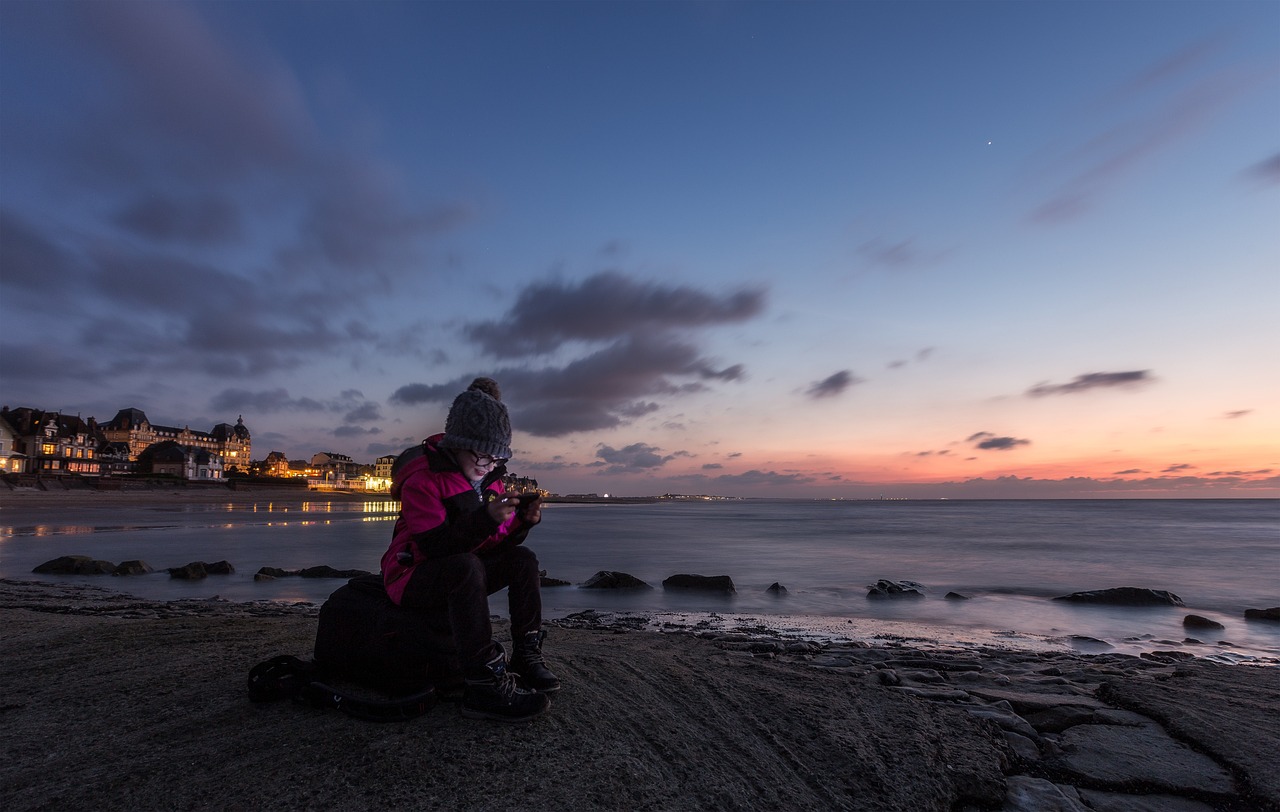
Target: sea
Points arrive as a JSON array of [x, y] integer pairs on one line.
[[1008, 559]]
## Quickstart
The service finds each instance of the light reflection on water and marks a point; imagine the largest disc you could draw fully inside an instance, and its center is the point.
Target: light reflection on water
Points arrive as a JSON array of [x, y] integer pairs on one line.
[[1219, 556]]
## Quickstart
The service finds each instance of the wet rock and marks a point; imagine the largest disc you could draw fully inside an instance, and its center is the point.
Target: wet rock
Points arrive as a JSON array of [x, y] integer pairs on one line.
[[1056, 720], [1122, 802], [895, 589], [275, 572], [607, 579], [776, 588], [1026, 794], [1128, 757], [75, 565], [1263, 614], [700, 583], [548, 581], [1124, 596], [325, 571], [955, 596], [1201, 622], [133, 567], [220, 568], [189, 572]]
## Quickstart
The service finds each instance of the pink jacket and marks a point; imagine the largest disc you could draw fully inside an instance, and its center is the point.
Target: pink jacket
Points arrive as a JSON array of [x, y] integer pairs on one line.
[[441, 514]]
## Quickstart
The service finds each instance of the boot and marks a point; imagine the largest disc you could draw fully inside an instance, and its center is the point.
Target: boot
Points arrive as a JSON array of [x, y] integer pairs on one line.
[[491, 692], [528, 663]]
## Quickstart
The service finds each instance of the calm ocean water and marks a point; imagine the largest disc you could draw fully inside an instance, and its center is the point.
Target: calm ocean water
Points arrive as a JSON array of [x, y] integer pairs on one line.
[[1009, 557]]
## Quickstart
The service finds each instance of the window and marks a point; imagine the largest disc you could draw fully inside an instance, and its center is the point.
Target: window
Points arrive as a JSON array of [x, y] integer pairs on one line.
[[49, 449]]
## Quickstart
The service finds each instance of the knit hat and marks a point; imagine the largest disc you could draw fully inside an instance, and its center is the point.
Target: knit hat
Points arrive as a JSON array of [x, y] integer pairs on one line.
[[478, 421]]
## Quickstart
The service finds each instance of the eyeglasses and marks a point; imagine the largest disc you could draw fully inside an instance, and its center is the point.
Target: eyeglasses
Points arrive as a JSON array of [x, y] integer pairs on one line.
[[486, 461]]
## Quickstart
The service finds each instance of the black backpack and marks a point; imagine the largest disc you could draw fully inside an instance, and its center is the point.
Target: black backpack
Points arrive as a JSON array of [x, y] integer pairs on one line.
[[365, 639]]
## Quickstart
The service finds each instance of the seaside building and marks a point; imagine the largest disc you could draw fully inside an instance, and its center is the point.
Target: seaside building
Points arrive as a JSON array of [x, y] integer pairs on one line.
[[186, 462], [231, 443], [12, 461], [276, 464], [51, 443]]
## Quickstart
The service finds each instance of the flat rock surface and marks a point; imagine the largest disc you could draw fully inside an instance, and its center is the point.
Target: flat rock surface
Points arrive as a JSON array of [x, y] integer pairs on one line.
[[1143, 758]]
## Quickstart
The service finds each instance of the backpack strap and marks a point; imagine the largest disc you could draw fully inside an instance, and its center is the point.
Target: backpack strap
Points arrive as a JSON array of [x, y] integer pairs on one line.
[[287, 677]]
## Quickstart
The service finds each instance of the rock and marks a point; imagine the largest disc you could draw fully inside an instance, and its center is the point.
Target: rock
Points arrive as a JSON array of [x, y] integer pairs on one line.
[[955, 596], [1122, 802], [1056, 720], [1026, 794], [776, 588], [1021, 746], [700, 583], [1200, 622], [1263, 614], [325, 571], [75, 565], [220, 568], [191, 572], [1027, 702], [548, 581], [1111, 757], [133, 567], [607, 579], [262, 576], [1124, 596], [276, 572], [895, 589], [1004, 716]]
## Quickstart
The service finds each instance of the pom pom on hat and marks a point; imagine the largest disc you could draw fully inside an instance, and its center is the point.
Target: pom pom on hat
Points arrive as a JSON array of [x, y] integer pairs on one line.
[[478, 421]]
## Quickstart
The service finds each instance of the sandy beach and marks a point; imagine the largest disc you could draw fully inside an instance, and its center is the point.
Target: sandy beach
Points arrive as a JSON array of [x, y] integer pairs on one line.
[[114, 703]]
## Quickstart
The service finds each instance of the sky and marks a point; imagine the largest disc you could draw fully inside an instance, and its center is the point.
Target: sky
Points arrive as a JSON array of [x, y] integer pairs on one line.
[[827, 250]]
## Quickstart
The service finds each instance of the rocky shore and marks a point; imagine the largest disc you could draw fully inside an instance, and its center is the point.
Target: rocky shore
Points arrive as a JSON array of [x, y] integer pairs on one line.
[[110, 702]]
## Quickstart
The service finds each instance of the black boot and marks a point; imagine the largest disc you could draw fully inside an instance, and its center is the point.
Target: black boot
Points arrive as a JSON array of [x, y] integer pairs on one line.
[[528, 663], [491, 692]]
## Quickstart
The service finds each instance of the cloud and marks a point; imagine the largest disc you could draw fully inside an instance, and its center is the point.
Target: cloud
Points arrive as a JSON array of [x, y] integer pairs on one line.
[[635, 457], [208, 225], [1178, 468], [898, 255], [272, 401], [1167, 103], [354, 431], [756, 477], [1237, 414], [1266, 171], [1092, 380], [1129, 472], [832, 385], [602, 308], [987, 441]]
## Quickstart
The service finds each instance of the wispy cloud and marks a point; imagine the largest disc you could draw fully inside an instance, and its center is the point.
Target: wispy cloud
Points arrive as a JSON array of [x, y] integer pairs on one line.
[[832, 385], [1266, 172], [1092, 380], [987, 441]]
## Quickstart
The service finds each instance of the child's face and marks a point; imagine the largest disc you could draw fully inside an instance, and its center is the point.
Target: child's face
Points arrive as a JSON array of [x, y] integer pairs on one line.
[[476, 466]]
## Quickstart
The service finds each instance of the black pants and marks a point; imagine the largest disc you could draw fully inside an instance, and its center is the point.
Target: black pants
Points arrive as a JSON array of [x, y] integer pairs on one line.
[[459, 586]]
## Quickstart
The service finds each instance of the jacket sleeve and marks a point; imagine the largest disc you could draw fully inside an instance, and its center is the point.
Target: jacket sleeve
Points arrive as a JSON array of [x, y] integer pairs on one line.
[[427, 520]]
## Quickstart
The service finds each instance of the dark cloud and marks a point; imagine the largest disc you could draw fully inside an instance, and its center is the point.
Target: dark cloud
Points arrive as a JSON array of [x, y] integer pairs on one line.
[[363, 413], [603, 308], [756, 477], [1266, 172], [188, 144], [354, 431], [1239, 413], [833, 384], [605, 389], [987, 441], [1093, 380], [264, 402], [199, 221], [712, 466], [1129, 472], [1177, 468], [635, 457]]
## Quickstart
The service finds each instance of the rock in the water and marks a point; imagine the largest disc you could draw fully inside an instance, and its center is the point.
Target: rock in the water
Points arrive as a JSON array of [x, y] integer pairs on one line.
[[955, 596], [276, 572], [75, 565], [607, 579], [895, 589], [549, 581], [134, 567], [1124, 596], [220, 568], [1263, 614], [325, 571], [191, 572], [700, 583], [776, 588], [1201, 622]]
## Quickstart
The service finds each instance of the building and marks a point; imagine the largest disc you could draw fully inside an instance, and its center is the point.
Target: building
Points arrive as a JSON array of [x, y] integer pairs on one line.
[[276, 464], [382, 466], [12, 461], [231, 443], [186, 462], [51, 443]]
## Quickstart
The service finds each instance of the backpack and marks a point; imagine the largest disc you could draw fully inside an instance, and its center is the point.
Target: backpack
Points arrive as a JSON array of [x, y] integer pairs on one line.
[[365, 639]]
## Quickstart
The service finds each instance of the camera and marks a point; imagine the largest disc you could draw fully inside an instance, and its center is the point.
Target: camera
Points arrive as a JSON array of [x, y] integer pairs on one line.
[[527, 499]]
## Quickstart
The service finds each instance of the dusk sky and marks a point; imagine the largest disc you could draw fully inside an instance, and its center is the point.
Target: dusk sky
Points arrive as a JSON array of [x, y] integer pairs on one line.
[[960, 249]]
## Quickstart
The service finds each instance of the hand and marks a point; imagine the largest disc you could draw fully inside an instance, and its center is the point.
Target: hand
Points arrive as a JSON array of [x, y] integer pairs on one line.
[[532, 513], [500, 506]]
